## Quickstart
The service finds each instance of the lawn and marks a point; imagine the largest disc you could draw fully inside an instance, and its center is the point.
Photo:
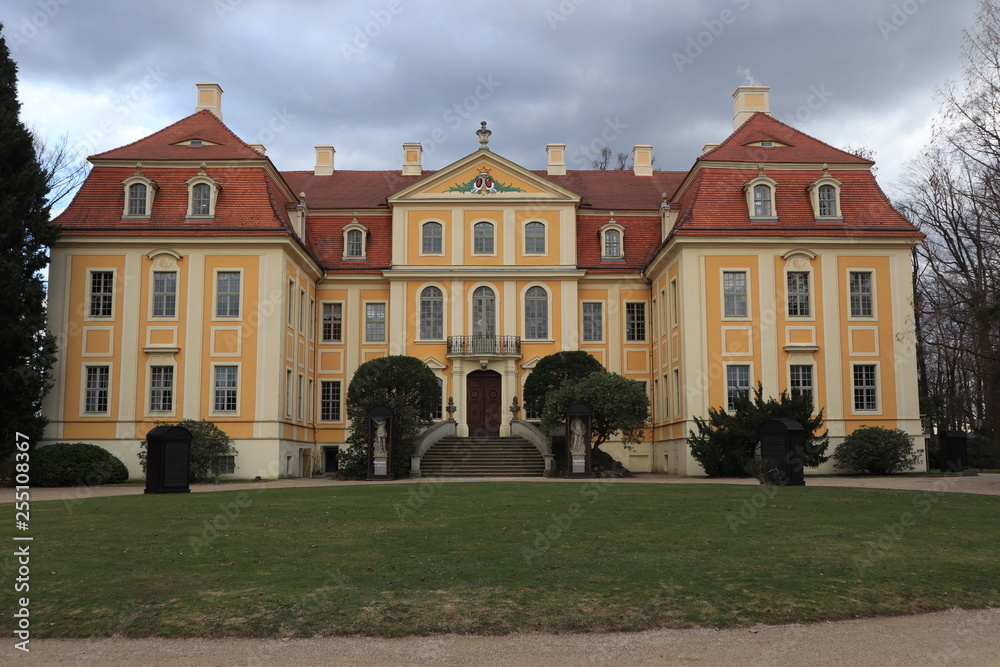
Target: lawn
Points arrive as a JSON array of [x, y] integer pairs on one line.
[[492, 558]]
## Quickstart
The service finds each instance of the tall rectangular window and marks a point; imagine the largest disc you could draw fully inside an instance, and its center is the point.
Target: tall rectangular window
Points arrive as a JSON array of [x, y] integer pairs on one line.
[[593, 321], [861, 293], [432, 238], [227, 299], [102, 293], [329, 400], [164, 294], [534, 238], [734, 293], [677, 392], [299, 399], [635, 321], [96, 391], [137, 199], [801, 381], [375, 322], [291, 302], [865, 387], [226, 387], [302, 311], [798, 294], [674, 313], [737, 385], [333, 322], [482, 236], [161, 388], [288, 392]]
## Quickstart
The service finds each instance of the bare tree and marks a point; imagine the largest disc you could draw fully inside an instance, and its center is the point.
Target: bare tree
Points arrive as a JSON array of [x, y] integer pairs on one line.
[[953, 195], [603, 160], [64, 167]]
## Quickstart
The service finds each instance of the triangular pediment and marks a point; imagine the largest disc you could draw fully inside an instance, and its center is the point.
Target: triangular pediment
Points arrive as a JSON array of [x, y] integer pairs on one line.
[[484, 177]]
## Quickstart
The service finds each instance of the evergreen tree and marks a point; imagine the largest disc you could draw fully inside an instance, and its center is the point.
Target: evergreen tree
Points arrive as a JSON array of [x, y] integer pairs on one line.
[[27, 349]]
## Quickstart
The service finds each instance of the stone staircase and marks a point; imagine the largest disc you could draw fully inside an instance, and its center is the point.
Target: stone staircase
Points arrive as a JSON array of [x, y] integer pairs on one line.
[[482, 457]]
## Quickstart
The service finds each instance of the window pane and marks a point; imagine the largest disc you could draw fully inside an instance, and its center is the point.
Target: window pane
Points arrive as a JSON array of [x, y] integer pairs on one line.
[[484, 312], [861, 294], [483, 238], [737, 385], [137, 199], [96, 390], [228, 294], [798, 294], [762, 200], [201, 197], [827, 200], [354, 246], [164, 293], [375, 322], [534, 238], [102, 286], [432, 238], [333, 322], [612, 243], [329, 400], [225, 388], [431, 314], [593, 321], [865, 387], [734, 293], [161, 388], [635, 321], [536, 313], [801, 381]]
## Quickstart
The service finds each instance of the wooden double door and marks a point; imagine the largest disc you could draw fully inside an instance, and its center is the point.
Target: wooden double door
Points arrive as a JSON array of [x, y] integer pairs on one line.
[[484, 403]]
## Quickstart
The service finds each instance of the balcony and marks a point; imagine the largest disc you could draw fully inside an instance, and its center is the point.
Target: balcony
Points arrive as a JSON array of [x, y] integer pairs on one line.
[[484, 346]]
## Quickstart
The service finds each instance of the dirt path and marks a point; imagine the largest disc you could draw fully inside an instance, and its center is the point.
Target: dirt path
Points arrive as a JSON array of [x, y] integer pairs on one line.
[[955, 637]]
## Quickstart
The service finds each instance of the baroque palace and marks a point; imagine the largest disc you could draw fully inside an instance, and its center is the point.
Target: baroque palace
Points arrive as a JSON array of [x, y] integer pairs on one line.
[[193, 279]]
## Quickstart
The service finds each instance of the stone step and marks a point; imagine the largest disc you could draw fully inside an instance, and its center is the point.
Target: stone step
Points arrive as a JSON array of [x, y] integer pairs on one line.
[[482, 457]]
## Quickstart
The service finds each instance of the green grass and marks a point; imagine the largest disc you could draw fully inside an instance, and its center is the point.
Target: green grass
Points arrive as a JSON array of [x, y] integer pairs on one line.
[[494, 558]]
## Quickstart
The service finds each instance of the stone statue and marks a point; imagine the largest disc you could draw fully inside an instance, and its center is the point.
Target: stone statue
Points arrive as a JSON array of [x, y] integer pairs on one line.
[[577, 439], [380, 435]]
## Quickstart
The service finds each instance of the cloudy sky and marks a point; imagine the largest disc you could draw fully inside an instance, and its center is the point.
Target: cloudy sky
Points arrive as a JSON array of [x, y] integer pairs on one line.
[[369, 75]]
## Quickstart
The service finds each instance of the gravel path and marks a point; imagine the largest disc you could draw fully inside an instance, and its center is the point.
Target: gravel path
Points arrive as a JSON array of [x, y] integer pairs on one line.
[[955, 637]]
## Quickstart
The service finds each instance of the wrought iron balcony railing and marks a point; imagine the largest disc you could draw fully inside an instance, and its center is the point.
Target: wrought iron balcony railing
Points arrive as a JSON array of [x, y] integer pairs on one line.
[[484, 345]]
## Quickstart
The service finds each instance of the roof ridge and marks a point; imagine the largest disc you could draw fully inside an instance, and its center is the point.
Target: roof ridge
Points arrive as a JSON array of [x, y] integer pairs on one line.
[[172, 126], [771, 119]]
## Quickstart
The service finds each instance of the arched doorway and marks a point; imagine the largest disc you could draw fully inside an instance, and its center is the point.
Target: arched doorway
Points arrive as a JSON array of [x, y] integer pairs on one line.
[[484, 403]]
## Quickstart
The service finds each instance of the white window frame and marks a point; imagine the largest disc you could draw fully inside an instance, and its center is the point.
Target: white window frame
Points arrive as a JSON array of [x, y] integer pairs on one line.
[[288, 392], [729, 406], [355, 226], [812, 381], [873, 302], [138, 179], [384, 322], [322, 333], [492, 252], [548, 313], [583, 321], [545, 238], [603, 231], [153, 294], [877, 410], [84, 389], [809, 296], [424, 238], [420, 313], [213, 195], [746, 293], [90, 293], [645, 322], [750, 189], [212, 397], [290, 298], [302, 310], [337, 407], [814, 198], [215, 295], [172, 389], [677, 392]]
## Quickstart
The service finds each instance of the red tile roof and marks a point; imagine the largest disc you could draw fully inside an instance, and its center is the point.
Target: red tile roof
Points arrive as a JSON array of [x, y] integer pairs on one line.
[[349, 190], [641, 239], [325, 238], [800, 148], [202, 125], [240, 205], [714, 204]]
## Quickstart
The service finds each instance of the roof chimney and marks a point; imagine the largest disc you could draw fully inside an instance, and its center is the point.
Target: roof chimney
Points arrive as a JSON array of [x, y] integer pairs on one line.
[[259, 148], [642, 160], [557, 159], [748, 100], [411, 159], [210, 97], [324, 161]]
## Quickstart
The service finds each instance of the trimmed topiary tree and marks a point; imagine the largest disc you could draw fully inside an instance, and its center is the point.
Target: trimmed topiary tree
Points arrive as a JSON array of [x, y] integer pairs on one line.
[[76, 464], [402, 383], [555, 371], [876, 450]]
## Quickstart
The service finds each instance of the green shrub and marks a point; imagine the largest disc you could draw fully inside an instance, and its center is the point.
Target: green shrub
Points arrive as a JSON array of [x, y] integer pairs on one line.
[[208, 443], [876, 450], [75, 464], [983, 452]]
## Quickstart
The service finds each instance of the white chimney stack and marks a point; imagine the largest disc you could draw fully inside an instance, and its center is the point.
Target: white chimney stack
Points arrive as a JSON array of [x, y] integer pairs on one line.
[[210, 97], [412, 153], [557, 159], [324, 161], [748, 100], [642, 160]]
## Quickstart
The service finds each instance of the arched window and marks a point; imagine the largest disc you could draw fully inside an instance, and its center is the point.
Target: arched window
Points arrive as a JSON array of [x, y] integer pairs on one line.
[[612, 243], [534, 238], [137, 199], [431, 314], [827, 200], [536, 314], [484, 312], [201, 199], [354, 243], [483, 238], [762, 201], [432, 238]]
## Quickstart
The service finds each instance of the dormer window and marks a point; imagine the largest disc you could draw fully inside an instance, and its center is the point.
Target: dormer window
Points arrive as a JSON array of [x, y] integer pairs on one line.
[[203, 192], [760, 198], [824, 194], [355, 240], [612, 239], [139, 192]]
